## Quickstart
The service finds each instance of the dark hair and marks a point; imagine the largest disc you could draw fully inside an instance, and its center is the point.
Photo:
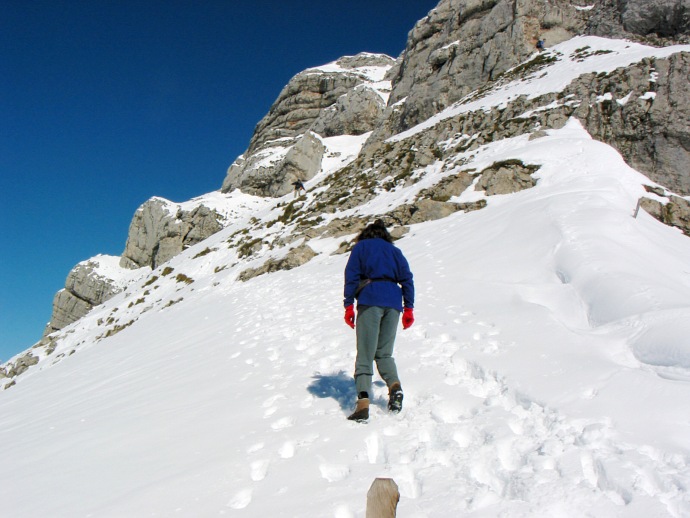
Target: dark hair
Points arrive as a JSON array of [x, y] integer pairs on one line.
[[376, 229]]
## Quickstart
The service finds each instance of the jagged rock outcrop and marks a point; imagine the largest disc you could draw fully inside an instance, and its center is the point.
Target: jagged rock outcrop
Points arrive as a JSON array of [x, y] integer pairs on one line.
[[641, 110], [644, 115], [161, 229], [636, 19], [88, 284], [674, 211], [272, 172], [506, 177], [354, 113], [19, 366], [463, 44], [307, 94], [294, 258], [347, 97]]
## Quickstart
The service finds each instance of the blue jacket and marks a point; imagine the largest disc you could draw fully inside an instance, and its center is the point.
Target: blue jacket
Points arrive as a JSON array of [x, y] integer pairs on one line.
[[385, 264]]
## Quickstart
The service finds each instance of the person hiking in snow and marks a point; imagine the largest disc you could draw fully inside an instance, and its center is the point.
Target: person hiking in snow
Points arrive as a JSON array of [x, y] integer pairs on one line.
[[540, 45], [378, 276], [299, 186]]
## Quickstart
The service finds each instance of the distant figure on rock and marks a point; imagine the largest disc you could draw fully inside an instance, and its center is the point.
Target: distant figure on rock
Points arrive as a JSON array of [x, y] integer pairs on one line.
[[540, 44], [379, 277], [299, 186]]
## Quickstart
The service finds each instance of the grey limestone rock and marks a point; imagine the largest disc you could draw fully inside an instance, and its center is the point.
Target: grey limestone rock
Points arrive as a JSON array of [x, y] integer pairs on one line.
[[84, 289], [463, 44], [506, 177], [635, 19], [675, 212], [341, 98], [20, 365], [294, 258], [450, 186], [261, 177], [307, 94], [354, 113], [160, 230], [646, 118]]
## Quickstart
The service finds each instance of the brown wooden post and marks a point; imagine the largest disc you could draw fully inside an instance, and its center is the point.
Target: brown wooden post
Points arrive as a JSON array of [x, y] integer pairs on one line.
[[637, 209], [382, 498]]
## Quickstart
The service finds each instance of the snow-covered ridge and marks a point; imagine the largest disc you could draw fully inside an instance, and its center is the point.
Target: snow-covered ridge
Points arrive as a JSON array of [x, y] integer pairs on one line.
[[563, 63], [372, 73], [108, 267]]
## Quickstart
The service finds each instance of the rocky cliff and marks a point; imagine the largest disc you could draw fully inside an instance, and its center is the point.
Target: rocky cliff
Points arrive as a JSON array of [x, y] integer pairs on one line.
[[425, 107], [347, 97]]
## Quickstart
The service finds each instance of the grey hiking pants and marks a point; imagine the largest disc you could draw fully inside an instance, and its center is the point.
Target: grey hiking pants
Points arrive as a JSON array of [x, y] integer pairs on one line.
[[376, 328]]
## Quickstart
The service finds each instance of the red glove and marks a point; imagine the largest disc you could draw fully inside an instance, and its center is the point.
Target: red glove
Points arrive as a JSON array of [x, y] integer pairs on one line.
[[350, 316], [407, 318]]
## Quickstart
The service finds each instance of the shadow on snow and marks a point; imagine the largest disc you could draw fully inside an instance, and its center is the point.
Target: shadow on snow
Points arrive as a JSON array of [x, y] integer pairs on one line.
[[340, 387]]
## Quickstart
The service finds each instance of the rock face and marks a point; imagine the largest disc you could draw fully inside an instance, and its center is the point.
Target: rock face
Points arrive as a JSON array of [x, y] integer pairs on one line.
[[675, 212], [463, 44], [354, 113], [87, 286], [645, 116], [506, 177], [161, 229], [632, 19], [294, 258], [347, 97], [262, 175], [309, 93]]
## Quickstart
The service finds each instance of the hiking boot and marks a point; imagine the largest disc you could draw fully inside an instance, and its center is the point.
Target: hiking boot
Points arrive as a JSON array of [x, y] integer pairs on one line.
[[395, 398], [361, 413]]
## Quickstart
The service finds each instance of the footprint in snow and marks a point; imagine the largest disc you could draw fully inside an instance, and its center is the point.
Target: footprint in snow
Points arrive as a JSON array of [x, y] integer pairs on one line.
[[372, 443], [270, 404], [283, 423], [255, 447], [241, 499], [334, 472], [259, 469], [287, 450]]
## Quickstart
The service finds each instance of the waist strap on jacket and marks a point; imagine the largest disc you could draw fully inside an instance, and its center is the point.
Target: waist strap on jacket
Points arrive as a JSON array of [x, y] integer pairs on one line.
[[365, 282]]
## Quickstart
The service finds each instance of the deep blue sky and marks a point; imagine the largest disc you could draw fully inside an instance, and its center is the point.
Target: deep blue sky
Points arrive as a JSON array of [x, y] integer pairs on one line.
[[104, 104]]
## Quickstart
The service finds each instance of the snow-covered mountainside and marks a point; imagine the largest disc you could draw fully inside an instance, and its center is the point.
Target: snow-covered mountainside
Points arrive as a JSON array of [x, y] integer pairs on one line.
[[547, 374]]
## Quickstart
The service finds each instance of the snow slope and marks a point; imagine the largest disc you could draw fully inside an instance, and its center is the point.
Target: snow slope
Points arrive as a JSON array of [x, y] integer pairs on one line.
[[548, 372]]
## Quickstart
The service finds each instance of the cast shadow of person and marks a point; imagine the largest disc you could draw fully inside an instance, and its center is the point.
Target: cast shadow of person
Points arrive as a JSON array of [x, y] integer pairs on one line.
[[338, 386]]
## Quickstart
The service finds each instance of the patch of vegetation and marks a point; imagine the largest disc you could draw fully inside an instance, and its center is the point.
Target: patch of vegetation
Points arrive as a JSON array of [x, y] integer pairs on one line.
[[167, 271], [583, 53], [115, 330], [204, 252], [151, 281], [137, 302], [306, 222], [218, 269], [515, 162], [181, 277], [248, 248], [290, 213], [173, 302], [533, 65]]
